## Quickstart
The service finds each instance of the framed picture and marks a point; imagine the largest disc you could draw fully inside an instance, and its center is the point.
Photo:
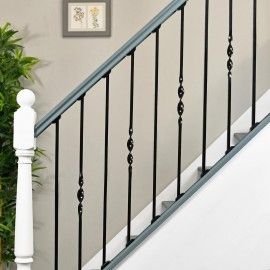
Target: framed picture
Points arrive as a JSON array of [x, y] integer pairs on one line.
[[87, 18]]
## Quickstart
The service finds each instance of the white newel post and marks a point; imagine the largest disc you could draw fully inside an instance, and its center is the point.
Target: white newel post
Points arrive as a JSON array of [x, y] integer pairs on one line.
[[24, 144]]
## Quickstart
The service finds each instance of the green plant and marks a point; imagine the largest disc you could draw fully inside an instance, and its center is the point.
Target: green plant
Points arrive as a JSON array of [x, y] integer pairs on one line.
[[14, 66]]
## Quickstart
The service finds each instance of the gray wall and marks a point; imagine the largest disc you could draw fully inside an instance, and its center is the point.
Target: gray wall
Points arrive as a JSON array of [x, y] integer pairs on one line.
[[67, 61]]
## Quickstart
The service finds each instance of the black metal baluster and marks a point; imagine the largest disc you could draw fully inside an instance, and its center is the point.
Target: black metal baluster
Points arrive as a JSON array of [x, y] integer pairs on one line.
[[204, 171], [180, 107], [154, 216], [56, 195], [130, 145], [254, 68], [80, 194], [230, 66], [104, 262]]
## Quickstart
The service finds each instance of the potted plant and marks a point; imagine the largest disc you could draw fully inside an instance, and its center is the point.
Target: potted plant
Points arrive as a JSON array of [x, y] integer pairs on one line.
[[14, 66]]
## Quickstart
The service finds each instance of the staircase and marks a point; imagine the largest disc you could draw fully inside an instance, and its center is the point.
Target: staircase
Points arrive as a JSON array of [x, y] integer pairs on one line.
[[26, 130], [190, 177], [224, 225]]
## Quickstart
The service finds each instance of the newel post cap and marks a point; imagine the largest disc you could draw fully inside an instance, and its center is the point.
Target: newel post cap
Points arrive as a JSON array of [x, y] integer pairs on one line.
[[24, 121], [26, 98]]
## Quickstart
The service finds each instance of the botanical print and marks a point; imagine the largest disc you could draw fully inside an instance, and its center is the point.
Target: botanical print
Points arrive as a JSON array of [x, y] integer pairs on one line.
[[79, 14], [94, 14], [97, 16], [87, 16], [77, 17]]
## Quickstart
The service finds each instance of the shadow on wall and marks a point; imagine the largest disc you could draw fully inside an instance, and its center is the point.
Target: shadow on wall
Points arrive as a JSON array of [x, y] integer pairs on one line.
[[241, 88], [244, 82], [27, 37]]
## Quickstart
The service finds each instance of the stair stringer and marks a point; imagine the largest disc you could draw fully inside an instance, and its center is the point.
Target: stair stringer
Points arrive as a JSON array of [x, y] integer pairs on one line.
[[189, 176]]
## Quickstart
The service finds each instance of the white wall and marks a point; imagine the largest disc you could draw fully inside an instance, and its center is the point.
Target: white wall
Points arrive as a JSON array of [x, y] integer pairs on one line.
[[225, 225]]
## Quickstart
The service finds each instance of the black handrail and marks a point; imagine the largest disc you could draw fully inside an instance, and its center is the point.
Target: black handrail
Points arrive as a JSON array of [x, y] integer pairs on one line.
[[108, 65]]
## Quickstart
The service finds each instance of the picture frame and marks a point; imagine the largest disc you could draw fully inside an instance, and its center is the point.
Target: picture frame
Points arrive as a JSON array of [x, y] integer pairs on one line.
[[86, 18]]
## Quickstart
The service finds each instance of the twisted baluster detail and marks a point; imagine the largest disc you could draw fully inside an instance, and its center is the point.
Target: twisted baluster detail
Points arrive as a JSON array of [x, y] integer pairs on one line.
[[180, 106], [180, 110], [130, 145], [230, 54], [80, 194]]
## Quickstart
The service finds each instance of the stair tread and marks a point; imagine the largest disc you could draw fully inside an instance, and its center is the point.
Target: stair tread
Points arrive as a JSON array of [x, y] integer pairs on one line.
[[239, 136], [133, 237], [167, 204], [207, 168]]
